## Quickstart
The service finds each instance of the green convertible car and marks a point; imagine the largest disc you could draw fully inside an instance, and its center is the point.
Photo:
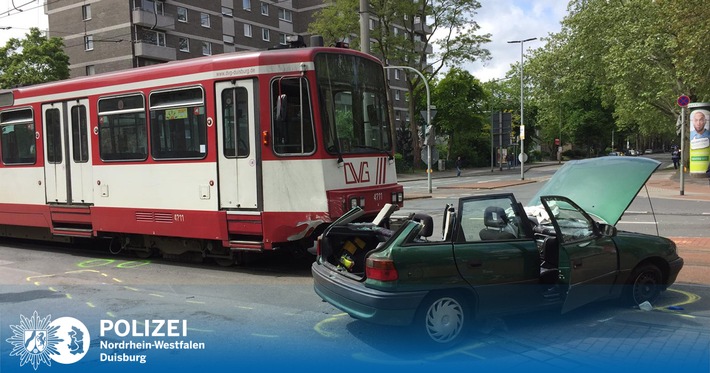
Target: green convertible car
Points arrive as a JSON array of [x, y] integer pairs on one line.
[[496, 256]]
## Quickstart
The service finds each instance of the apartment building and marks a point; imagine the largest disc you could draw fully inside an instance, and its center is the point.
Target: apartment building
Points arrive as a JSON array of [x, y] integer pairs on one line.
[[108, 35]]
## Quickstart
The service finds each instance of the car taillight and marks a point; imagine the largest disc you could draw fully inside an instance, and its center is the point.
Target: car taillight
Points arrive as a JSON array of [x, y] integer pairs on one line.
[[380, 269], [318, 244]]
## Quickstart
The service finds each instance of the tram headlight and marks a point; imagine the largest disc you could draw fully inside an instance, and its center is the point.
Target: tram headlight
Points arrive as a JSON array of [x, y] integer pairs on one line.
[[353, 202], [362, 202], [397, 197]]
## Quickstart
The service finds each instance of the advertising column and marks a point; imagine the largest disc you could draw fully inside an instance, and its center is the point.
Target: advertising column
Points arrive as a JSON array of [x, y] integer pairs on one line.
[[699, 137]]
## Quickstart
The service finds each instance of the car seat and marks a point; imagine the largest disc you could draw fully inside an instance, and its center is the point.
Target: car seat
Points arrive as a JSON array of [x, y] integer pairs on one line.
[[495, 219]]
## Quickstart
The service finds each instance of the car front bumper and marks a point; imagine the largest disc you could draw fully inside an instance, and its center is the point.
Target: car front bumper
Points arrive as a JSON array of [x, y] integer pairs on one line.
[[674, 268], [361, 302]]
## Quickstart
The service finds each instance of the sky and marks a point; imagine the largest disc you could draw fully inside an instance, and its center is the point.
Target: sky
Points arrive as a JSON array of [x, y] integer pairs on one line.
[[505, 20]]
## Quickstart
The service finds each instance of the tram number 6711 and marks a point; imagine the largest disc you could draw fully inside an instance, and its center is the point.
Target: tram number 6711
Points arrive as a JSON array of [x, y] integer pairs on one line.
[[179, 218]]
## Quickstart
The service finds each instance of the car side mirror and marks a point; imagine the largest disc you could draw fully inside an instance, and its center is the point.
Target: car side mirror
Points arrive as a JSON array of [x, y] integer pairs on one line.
[[607, 230]]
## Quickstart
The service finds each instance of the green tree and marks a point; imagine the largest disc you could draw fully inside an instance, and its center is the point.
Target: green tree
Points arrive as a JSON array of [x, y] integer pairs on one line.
[[628, 60], [461, 101], [405, 35], [32, 60]]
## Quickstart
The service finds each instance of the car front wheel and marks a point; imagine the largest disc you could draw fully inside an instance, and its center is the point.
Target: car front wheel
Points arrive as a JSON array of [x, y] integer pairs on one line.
[[443, 319], [645, 284]]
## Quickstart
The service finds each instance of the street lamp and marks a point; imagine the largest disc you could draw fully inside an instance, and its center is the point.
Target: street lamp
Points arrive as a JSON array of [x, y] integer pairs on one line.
[[522, 125], [428, 116]]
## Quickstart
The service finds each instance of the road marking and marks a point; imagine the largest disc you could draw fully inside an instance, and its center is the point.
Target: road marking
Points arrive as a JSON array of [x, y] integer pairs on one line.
[[320, 326]]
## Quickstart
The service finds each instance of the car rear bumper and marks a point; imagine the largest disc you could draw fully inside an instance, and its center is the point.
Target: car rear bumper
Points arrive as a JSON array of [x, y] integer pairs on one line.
[[363, 303]]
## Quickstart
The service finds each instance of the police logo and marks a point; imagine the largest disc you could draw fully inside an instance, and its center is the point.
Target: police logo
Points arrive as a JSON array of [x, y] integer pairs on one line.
[[39, 340]]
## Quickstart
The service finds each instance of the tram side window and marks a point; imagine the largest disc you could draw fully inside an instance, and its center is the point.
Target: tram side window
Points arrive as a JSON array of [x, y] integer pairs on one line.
[[53, 133], [292, 117], [122, 129], [236, 115], [18, 137], [80, 138], [178, 126]]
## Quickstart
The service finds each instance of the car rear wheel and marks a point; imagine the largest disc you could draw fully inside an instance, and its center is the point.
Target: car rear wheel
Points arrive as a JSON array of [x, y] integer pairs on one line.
[[443, 319], [645, 284]]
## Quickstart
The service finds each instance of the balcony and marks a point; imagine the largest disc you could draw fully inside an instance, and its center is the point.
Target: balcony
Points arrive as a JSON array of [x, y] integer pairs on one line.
[[419, 47], [146, 18], [421, 28], [155, 52]]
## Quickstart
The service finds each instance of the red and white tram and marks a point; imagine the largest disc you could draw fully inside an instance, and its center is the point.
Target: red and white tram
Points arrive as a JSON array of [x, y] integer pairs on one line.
[[215, 155]]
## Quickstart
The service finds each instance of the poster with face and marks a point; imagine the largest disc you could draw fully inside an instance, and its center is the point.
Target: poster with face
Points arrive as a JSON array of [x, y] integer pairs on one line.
[[699, 137]]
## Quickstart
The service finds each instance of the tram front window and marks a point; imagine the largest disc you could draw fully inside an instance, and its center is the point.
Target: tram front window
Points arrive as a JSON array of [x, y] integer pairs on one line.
[[353, 102]]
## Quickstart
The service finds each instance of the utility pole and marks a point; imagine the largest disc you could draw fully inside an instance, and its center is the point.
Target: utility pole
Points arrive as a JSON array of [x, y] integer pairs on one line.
[[522, 124]]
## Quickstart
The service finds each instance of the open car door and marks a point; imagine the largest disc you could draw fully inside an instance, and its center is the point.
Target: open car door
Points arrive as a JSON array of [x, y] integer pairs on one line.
[[588, 262]]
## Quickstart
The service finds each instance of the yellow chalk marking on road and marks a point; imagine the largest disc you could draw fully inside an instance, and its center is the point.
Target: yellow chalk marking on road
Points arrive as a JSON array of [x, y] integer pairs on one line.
[[319, 327], [465, 350], [690, 298], [90, 304], [116, 280], [110, 314], [52, 289], [194, 301], [265, 335], [245, 307], [157, 295], [83, 270], [130, 288], [68, 296]]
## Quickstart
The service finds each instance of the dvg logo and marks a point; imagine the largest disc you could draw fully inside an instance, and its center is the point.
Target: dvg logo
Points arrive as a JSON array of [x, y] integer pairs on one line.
[[38, 340]]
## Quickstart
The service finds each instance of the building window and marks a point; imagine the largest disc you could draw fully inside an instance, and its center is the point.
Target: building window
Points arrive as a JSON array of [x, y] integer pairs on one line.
[[228, 39], [153, 37], [396, 74], [246, 4], [397, 115], [206, 48], [372, 24], [205, 20], [86, 12], [184, 44], [396, 95], [247, 30], [181, 14], [227, 11], [89, 42], [285, 15], [151, 6], [264, 9], [282, 39], [90, 70], [265, 35]]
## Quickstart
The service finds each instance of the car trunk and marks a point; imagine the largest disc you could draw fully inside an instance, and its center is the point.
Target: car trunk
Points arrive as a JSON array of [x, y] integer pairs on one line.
[[345, 246]]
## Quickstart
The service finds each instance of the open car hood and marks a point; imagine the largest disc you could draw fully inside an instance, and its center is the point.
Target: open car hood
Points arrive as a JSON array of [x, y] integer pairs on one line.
[[604, 187]]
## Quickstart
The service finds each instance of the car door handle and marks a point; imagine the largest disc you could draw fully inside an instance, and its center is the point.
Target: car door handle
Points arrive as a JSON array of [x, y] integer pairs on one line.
[[475, 263], [576, 263]]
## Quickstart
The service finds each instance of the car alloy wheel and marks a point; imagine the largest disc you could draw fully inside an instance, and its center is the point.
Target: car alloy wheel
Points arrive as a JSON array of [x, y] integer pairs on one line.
[[646, 285], [444, 320]]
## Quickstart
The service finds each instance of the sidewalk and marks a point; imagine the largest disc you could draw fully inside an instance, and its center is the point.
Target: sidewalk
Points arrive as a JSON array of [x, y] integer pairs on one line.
[[664, 183]]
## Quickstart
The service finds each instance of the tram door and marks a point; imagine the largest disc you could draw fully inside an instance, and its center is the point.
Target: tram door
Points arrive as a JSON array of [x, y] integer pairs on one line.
[[67, 163], [238, 159]]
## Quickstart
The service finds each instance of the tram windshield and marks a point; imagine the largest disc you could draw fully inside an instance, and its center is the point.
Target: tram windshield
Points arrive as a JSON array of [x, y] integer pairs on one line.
[[353, 100]]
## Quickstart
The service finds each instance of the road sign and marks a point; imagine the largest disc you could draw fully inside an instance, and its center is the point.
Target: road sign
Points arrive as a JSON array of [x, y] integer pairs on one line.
[[683, 101]]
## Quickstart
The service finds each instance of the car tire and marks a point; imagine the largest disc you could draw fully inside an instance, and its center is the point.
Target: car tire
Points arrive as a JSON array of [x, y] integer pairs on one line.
[[645, 284], [443, 319]]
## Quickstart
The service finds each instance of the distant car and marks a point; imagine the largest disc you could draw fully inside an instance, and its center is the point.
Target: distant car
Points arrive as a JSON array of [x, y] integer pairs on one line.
[[497, 257], [648, 151], [632, 152], [614, 154]]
